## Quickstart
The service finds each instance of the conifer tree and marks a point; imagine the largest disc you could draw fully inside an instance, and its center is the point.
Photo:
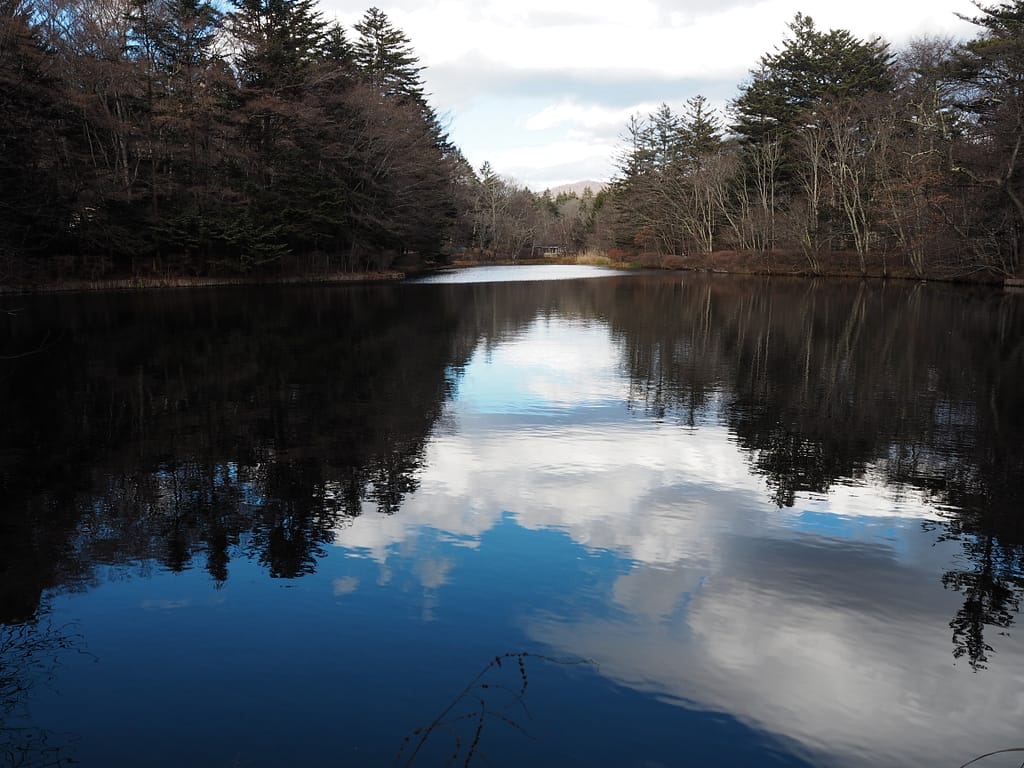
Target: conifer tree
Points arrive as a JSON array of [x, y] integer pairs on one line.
[[384, 57], [279, 40], [664, 135], [337, 49], [810, 66], [35, 199], [185, 41], [700, 129]]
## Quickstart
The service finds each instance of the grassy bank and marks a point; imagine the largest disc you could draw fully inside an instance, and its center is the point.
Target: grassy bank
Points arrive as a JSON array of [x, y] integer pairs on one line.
[[784, 263], [832, 264]]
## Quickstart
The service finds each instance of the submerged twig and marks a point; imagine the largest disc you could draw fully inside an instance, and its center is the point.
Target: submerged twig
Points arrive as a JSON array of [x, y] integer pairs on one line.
[[46, 342], [479, 689], [990, 754]]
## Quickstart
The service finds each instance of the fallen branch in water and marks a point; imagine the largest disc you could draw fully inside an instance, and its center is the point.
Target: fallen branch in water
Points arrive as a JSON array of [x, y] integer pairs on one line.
[[479, 689], [46, 342], [990, 754]]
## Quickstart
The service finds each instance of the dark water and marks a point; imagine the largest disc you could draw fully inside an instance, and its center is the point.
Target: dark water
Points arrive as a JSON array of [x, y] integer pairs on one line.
[[730, 521]]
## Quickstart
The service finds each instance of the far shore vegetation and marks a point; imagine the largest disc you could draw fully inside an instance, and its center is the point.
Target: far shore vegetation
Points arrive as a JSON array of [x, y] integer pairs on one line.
[[148, 143]]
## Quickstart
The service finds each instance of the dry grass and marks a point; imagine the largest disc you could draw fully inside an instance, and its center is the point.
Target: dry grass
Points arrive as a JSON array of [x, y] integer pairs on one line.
[[594, 258], [793, 262]]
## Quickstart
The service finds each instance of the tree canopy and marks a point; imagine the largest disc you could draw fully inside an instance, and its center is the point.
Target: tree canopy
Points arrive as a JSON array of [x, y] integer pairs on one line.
[[170, 137], [843, 154], [385, 59], [187, 137], [809, 66]]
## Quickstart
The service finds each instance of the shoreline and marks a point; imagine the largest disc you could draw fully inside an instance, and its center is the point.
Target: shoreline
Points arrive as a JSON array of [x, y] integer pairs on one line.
[[164, 283], [709, 263], [836, 265], [692, 265]]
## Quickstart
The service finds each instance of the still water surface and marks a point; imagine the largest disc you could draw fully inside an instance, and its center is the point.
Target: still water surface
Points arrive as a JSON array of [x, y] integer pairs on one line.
[[731, 521]]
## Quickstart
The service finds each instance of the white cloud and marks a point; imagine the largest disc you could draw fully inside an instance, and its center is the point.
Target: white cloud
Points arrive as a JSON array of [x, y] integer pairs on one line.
[[590, 116], [478, 53], [561, 162]]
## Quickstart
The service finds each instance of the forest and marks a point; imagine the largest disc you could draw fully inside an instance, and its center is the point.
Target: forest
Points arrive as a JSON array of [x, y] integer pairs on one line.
[[187, 138], [171, 136], [841, 155]]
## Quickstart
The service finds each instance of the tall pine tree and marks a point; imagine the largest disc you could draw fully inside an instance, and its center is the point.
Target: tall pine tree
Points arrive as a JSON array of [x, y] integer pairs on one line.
[[384, 58], [809, 67], [278, 41]]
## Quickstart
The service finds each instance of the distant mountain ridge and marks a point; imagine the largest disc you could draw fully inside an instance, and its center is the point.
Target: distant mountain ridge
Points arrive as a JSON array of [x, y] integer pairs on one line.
[[578, 187]]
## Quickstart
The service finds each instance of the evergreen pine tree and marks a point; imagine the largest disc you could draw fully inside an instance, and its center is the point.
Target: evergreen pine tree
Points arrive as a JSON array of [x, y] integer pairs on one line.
[[35, 189], [700, 129], [384, 57], [278, 41], [337, 49], [811, 66]]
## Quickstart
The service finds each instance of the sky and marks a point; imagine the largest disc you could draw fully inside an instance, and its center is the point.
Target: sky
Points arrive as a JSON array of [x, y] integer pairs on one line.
[[542, 89]]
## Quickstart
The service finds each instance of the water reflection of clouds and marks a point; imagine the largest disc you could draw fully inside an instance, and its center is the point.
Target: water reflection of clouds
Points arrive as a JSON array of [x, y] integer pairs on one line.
[[824, 623], [517, 274], [346, 585], [166, 605], [551, 365], [633, 490], [649, 492], [842, 673]]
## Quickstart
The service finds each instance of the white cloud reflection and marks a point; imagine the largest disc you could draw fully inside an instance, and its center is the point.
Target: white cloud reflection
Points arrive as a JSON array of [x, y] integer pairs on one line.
[[541, 433], [346, 585], [845, 682], [824, 623]]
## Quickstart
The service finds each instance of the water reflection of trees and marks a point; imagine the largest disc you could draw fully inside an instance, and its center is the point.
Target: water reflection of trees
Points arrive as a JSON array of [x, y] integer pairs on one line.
[[825, 382], [29, 656], [166, 428], [822, 383], [181, 426], [194, 428]]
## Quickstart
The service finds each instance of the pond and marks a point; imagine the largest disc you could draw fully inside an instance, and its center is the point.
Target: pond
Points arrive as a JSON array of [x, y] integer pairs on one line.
[[640, 520]]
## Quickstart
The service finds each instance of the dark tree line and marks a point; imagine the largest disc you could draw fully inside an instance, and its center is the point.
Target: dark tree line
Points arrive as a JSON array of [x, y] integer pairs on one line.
[[183, 137], [841, 152]]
